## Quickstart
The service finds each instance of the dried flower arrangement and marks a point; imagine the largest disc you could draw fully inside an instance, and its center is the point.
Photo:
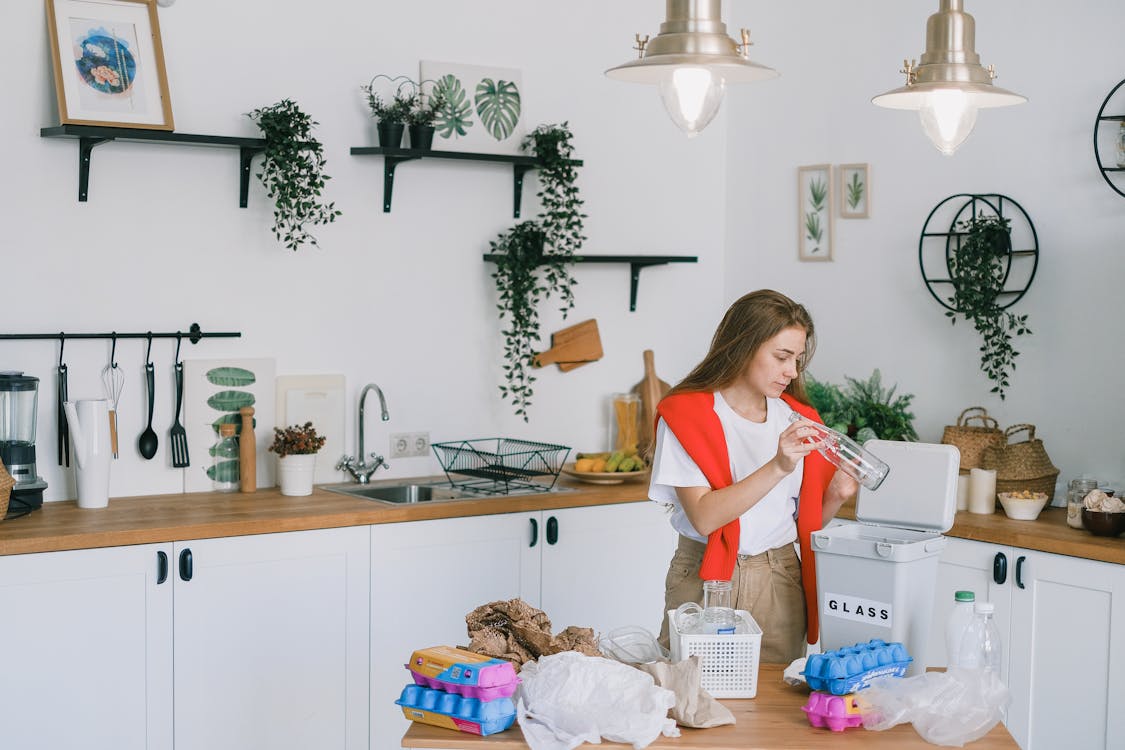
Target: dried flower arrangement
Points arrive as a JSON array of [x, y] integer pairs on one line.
[[296, 440]]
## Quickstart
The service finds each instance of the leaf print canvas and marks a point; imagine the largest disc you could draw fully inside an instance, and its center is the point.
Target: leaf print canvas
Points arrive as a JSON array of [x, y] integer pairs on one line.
[[814, 212], [855, 191], [484, 107]]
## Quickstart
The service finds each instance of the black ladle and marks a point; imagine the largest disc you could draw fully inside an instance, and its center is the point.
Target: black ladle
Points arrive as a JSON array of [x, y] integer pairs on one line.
[[148, 442]]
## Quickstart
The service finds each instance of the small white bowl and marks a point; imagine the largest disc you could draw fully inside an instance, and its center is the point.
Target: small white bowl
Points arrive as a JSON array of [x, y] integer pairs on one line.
[[1023, 509]]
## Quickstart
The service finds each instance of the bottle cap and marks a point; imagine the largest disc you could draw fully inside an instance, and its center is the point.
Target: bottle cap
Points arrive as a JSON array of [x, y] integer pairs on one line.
[[965, 596], [226, 430], [985, 608]]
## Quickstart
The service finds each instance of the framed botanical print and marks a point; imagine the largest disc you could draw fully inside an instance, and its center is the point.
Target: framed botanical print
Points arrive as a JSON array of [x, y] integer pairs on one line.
[[109, 63], [483, 107], [855, 191], [814, 212]]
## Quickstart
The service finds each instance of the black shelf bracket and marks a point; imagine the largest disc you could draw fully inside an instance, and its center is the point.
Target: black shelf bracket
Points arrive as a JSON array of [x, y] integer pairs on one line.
[[392, 157], [90, 136], [636, 263]]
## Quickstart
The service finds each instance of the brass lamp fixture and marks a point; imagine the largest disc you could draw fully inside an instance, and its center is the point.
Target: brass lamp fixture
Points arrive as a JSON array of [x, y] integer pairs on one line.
[[950, 84], [691, 60]]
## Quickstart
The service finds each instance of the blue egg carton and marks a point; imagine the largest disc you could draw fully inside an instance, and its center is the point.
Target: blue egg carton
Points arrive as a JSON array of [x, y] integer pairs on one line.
[[846, 670], [452, 711]]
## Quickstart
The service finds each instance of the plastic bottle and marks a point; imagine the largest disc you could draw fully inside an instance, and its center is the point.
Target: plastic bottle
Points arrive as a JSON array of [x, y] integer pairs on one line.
[[956, 625], [718, 615], [224, 461], [849, 456], [980, 646]]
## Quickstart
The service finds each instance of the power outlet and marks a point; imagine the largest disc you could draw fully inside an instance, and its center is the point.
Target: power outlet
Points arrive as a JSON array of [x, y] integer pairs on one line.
[[410, 444]]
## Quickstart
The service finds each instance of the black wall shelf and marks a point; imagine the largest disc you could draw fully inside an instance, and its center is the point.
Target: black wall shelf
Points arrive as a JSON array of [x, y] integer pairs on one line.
[[392, 157], [93, 135], [1104, 118], [636, 263]]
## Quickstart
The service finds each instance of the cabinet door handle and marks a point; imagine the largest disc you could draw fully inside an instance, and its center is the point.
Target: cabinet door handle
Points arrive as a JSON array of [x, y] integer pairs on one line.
[[552, 530], [185, 565], [534, 532], [1019, 571], [161, 567], [999, 568]]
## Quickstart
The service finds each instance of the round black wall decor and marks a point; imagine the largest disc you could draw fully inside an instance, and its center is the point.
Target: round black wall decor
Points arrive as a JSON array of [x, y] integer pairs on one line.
[[941, 239], [1112, 120]]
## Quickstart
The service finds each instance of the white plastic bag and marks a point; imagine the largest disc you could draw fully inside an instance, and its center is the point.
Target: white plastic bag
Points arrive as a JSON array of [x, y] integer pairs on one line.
[[566, 699], [947, 708]]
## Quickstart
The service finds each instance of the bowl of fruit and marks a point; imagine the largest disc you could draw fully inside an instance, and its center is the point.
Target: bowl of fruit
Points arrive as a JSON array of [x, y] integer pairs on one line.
[[609, 467], [1023, 505]]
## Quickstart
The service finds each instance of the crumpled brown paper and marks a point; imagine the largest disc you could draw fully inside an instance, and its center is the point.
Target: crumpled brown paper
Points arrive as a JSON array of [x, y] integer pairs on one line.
[[695, 707], [516, 631]]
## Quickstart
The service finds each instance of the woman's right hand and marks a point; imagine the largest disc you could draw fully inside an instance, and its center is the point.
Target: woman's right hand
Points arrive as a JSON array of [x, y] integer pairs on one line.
[[797, 441]]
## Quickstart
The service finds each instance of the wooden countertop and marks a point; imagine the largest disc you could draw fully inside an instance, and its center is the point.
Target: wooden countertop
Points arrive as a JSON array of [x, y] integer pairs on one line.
[[170, 518], [773, 720]]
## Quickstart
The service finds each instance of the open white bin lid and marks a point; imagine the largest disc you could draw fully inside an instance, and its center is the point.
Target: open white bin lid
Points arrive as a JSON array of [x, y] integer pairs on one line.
[[920, 491]]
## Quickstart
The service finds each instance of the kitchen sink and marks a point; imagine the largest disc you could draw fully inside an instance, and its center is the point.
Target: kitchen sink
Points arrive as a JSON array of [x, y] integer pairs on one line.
[[401, 493]]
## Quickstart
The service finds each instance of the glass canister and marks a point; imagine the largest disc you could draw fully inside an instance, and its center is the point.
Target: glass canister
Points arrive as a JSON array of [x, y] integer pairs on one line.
[[1076, 492], [624, 418]]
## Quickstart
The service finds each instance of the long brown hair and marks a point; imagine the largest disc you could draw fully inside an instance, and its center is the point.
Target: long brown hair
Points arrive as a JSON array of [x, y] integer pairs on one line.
[[751, 321]]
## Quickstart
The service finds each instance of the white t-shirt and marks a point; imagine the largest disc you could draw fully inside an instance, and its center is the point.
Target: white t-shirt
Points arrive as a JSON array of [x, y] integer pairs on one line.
[[771, 522]]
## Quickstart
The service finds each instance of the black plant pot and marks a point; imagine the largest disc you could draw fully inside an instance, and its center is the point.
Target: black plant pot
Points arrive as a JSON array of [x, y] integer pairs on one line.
[[390, 134], [421, 137]]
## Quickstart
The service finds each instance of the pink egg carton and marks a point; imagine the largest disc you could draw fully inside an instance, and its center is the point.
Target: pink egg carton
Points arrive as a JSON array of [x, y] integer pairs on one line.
[[836, 712], [463, 672]]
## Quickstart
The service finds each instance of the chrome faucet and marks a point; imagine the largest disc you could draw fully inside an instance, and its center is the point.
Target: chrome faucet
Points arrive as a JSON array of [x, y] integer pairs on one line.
[[361, 470]]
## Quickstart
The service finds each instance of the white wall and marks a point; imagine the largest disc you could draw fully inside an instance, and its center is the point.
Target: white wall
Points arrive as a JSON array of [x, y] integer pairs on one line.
[[402, 299], [871, 305]]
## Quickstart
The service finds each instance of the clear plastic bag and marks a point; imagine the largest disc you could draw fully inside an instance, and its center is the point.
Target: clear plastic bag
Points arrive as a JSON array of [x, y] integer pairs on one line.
[[947, 708]]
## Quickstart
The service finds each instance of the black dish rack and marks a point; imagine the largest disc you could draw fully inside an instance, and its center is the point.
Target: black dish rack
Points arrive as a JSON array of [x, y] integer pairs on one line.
[[500, 466]]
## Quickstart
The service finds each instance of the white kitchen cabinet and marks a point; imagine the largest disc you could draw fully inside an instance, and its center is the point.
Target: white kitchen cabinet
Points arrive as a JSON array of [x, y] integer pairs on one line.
[[599, 566], [264, 647], [1065, 671], [87, 650]]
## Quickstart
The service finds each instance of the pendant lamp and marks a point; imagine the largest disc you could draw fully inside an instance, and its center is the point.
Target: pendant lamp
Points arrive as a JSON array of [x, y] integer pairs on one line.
[[950, 84], [691, 60]]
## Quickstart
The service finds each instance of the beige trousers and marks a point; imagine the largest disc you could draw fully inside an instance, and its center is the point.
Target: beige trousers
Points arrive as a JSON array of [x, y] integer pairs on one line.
[[768, 586]]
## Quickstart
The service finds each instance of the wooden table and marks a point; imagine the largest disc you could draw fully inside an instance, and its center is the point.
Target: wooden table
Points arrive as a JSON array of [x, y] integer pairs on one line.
[[771, 721]]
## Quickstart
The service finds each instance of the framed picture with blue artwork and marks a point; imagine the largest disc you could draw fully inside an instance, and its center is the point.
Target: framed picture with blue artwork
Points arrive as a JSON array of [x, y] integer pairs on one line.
[[482, 110], [109, 63]]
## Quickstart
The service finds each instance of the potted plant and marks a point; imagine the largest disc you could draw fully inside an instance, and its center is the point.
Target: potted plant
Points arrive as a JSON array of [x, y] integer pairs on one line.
[[296, 447], [978, 270], [420, 120], [391, 117], [534, 258], [864, 409], [293, 172]]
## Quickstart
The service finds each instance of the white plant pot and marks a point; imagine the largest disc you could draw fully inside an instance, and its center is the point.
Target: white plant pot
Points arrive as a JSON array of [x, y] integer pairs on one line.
[[295, 474]]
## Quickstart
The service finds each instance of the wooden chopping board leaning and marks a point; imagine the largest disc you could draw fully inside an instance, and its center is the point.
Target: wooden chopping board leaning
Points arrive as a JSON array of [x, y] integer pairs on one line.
[[651, 389], [573, 347]]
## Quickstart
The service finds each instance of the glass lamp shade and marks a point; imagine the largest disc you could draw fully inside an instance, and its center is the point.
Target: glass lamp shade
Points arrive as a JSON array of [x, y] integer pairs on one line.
[[692, 95], [948, 116]]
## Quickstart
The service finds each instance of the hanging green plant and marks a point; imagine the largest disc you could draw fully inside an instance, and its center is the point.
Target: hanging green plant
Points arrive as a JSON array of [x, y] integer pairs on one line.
[[534, 259], [293, 172], [978, 271]]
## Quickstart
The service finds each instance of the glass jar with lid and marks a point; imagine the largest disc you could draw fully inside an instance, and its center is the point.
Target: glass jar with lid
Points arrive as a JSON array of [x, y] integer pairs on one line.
[[1076, 492]]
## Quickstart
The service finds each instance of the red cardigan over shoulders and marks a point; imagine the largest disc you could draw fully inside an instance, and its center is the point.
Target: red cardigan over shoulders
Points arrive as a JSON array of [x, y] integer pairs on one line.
[[692, 419]]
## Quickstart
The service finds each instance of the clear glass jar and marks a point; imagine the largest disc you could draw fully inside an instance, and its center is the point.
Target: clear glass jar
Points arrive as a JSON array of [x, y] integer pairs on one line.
[[624, 419], [1076, 492], [718, 615], [224, 461]]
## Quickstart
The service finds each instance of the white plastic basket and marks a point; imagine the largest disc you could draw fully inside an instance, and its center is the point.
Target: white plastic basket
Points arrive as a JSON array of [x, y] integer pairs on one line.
[[729, 662]]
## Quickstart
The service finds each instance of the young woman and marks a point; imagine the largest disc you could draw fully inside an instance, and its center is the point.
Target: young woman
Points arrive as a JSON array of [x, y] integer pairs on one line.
[[744, 484]]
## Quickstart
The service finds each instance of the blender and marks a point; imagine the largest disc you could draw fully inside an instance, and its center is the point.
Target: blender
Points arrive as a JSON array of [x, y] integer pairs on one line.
[[19, 398]]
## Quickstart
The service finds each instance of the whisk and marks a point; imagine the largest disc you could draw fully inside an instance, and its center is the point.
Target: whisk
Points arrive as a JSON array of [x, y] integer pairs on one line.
[[114, 382]]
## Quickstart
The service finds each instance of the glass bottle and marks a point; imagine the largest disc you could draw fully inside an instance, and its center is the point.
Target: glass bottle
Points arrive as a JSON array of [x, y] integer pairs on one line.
[[1076, 492], [718, 615], [224, 461], [846, 454]]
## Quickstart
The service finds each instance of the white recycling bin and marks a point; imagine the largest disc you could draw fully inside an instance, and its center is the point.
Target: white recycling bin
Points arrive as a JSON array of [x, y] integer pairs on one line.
[[875, 577]]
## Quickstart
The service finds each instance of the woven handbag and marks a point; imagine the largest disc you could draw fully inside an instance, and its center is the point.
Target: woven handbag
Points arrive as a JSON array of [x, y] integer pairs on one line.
[[6, 485], [1023, 465], [971, 440]]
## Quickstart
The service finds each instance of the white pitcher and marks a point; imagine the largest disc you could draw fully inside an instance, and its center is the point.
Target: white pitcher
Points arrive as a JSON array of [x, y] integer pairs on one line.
[[89, 434]]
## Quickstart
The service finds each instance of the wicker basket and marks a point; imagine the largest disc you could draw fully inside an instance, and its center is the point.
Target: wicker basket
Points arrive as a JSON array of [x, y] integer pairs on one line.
[[1021, 466], [971, 440], [6, 484]]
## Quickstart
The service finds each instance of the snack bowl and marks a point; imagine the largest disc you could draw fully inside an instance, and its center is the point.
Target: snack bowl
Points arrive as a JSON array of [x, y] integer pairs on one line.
[[1023, 506], [1103, 523]]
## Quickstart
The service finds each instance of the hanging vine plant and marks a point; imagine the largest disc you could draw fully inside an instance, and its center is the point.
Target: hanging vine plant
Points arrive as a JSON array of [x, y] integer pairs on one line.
[[293, 172], [978, 272], [534, 260]]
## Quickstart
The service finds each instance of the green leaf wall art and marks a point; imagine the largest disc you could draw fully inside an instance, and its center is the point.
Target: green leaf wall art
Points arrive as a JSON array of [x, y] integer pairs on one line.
[[456, 117], [483, 107], [855, 191], [230, 376], [814, 211], [498, 104]]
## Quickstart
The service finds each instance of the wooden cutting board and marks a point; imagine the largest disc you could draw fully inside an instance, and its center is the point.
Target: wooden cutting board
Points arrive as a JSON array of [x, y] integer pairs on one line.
[[651, 389], [577, 343]]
